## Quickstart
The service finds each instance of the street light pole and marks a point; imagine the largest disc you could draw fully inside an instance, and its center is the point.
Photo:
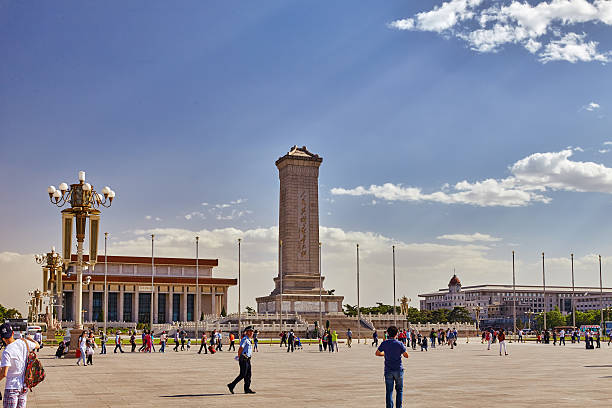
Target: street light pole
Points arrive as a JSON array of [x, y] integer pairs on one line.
[[280, 265], [239, 289], [358, 304], [602, 324], [513, 297], [394, 310], [573, 296], [544, 287], [105, 284], [197, 318], [152, 277], [320, 292]]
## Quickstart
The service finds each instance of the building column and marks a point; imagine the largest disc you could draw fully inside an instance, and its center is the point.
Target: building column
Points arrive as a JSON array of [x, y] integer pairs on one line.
[[135, 309], [169, 308], [120, 304], [90, 305], [59, 303], [73, 306], [224, 300], [155, 294], [213, 298], [198, 304], [184, 305]]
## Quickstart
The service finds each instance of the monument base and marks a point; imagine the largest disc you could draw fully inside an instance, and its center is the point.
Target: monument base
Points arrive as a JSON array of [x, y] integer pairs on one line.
[[299, 303]]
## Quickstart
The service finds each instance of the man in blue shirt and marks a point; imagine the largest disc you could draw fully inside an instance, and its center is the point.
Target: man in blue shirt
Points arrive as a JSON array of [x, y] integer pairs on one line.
[[244, 360], [393, 350]]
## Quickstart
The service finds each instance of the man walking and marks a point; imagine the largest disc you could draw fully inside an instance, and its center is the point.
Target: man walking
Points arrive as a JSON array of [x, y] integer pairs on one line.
[[162, 342], [393, 350], [13, 365], [562, 337], [375, 338], [231, 340], [349, 338], [118, 342], [203, 344], [244, 360], [182, 335], [290, 341], [103, 340]]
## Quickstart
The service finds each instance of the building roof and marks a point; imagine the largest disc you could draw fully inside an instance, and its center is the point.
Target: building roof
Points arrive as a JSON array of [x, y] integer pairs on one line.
[[158, 279], [146, 260], [454, 281], [300, 153], [580, 290]]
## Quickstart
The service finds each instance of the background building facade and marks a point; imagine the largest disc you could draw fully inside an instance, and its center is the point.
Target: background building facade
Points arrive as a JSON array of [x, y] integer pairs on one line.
[[497, 301], [129, 290]]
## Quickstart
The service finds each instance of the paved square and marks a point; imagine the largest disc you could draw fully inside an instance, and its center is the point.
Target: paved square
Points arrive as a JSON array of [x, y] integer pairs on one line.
[[465, 377]]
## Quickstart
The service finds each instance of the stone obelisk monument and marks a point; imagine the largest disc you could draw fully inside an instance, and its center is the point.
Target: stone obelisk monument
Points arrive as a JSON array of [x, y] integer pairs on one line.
[[298, 235]]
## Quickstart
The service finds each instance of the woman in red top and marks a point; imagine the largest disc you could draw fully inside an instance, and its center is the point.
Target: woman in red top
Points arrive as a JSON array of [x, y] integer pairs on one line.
[[502, 342]]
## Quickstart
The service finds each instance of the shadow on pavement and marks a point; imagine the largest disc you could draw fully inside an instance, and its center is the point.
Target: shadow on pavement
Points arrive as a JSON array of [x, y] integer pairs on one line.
[[191, 395]]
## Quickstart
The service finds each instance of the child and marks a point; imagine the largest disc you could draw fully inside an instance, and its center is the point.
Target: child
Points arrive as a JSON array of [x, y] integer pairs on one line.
[[424, 343], [89, 352], [188, 344]]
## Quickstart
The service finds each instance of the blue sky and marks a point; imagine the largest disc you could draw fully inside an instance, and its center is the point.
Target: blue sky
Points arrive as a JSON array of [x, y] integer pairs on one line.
[[178, 105]]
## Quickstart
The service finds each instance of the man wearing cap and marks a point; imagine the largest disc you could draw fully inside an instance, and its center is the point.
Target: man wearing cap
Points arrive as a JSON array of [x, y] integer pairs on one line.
[[244, 359], [12, 367]]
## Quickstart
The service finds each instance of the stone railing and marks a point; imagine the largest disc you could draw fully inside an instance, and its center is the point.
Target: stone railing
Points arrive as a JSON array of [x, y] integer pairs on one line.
[[99, 325]]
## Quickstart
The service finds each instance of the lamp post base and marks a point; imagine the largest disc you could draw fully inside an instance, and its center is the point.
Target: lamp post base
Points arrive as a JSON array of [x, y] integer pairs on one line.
[[74, 342]]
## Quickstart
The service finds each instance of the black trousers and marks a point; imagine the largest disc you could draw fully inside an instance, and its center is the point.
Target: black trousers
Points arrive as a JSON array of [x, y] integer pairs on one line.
[[245, 373], [290, 346], [231, 346], [203, 346]]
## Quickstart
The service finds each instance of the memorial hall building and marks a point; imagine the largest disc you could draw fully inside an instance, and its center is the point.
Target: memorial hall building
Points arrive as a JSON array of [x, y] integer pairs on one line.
[[129, 282], [497, 301]]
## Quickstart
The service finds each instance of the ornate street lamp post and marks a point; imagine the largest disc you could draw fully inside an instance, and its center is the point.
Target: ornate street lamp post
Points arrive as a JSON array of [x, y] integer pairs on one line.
[[84, 203], [53, 267]]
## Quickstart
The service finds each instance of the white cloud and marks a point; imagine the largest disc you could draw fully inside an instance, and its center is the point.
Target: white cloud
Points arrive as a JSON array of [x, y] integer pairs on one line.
[[573, 48], [531, 176], [591, 107], [485, 193], [557, 172], [603, 151], [195, 214], [607, 143], [148, 217], [488, 25], [469, 237], [421, 266]]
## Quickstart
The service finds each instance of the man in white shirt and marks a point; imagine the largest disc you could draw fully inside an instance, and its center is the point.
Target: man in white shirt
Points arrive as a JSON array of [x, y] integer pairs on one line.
[[562, 337], [12, 366]]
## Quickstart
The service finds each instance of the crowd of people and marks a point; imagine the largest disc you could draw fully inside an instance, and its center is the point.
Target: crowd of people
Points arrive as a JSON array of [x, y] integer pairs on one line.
[[413, 338]]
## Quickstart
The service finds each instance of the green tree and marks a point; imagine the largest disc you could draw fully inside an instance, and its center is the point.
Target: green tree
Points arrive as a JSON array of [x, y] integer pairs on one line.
[[414, 315], [439, 316], [459, 314], [554, 318], [10, 313]]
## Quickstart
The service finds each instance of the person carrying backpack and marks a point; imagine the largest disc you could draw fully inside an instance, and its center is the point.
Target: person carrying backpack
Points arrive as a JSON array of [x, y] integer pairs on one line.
[[13, 366]]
